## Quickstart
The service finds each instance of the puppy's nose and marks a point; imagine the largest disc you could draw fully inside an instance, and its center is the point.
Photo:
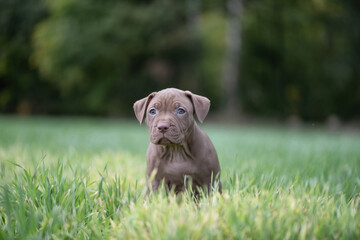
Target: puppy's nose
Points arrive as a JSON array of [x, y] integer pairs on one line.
[[163, 126]]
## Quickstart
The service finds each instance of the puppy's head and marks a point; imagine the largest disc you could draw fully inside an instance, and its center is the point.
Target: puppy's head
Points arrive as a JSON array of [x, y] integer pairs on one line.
[[169, 114]]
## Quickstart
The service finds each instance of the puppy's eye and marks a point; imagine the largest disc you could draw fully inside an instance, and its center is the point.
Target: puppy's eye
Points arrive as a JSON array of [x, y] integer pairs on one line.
[[152, 111], [180, 111]]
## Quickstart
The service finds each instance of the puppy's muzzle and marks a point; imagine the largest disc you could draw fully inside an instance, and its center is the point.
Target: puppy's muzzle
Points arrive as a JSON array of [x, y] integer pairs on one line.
[[164, 133]]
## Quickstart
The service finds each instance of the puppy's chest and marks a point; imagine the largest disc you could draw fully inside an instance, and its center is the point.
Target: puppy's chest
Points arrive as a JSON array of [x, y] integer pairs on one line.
[[178, 164]]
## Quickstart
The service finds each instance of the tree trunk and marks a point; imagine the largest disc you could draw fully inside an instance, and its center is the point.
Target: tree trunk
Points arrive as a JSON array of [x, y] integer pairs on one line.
[[230, 75], [193, 12]]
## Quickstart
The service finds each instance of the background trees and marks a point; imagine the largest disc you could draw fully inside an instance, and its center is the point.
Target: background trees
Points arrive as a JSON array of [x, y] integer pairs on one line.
[[89, 57]]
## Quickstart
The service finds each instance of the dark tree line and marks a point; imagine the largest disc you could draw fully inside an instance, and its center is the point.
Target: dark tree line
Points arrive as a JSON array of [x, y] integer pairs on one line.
[[97, 57]]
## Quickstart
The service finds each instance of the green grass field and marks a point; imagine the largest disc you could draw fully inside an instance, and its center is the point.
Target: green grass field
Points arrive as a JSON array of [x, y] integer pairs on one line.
[[65, 178]]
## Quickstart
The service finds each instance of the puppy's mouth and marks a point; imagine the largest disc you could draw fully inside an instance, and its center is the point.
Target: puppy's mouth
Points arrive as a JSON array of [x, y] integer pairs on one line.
[[170, 136], [164, 141]]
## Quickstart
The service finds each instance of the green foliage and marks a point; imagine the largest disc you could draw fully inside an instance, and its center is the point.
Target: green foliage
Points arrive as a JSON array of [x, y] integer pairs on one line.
[[105, 50], [296, 58], [84, 178], [89, 57], [17, 21], [212, 33]]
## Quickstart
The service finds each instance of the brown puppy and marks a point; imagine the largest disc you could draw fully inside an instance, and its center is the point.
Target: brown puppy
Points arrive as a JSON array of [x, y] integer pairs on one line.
[[179, 150]]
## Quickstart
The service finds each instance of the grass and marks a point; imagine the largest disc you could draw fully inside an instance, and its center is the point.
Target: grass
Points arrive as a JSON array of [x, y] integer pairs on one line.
[[65, 178]]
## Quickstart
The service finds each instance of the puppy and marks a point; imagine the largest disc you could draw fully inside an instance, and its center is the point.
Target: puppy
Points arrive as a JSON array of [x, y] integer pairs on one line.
[[179, 150]]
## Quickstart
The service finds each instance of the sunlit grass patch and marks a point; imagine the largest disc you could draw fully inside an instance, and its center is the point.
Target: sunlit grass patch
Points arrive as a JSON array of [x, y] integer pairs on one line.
[[86, 179]]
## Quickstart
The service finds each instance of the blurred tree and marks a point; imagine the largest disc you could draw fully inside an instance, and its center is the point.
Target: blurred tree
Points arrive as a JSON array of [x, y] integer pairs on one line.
[[230, 74], [295, 60], [349, 96], [20, 88], [212, 35], [107, 54], [88, 57]]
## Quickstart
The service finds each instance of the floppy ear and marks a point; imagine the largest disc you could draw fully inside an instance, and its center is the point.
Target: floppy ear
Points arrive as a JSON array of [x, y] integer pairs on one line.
[[140, 107], [201, 105]]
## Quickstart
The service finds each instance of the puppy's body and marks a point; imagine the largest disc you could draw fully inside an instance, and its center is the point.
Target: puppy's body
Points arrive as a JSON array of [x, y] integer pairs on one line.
[[196, 159], [179, 150]]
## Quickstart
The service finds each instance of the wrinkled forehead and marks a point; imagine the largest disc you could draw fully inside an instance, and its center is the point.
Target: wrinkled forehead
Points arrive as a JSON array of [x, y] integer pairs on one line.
[[170, 98]]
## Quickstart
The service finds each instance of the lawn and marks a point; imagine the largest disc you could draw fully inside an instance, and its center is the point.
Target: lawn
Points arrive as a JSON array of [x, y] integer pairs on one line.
[[65, 178]]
